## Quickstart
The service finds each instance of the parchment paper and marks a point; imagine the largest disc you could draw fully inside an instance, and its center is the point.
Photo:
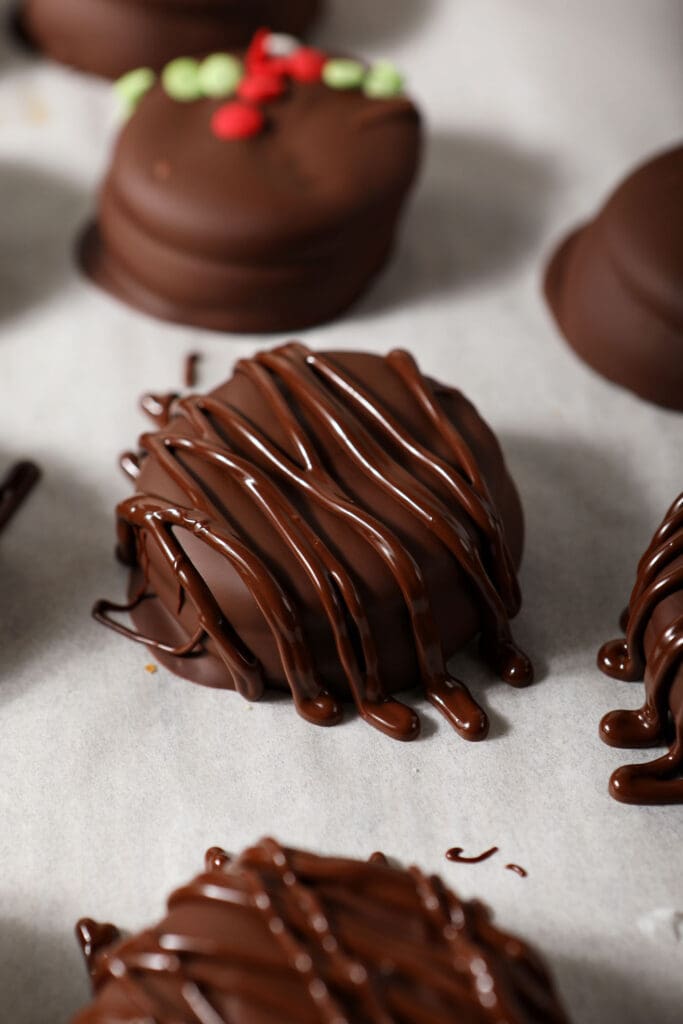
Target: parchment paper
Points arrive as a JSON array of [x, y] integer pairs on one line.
[[113, 781]]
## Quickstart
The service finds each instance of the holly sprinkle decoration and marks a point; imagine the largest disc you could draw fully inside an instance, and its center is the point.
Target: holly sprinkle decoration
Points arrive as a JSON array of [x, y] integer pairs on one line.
[[383, 81], [131, 87], [237, 121], [272, 60], [344, 74], [220, 75]]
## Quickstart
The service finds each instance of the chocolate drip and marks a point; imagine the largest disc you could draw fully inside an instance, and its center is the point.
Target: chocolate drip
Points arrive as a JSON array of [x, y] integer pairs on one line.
[[455, 854], [130, 464], [159, 408], [653, 649], [345, 418], [280, 935], [17, 485], [93, 938]]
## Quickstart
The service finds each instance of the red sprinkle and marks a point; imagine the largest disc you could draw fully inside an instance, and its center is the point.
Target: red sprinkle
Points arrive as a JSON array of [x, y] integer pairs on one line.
[[306, 64], [237, 121], [260, 86], [257, 54], [275, 65]]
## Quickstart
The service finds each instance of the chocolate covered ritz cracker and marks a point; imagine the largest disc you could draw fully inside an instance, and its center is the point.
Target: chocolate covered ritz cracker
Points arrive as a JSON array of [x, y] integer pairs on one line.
[[280, 936], [335, 525]]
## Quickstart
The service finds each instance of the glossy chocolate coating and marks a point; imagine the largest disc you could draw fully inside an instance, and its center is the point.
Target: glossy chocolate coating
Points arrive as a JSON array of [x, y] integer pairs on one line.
[[653, 648], [616, 285], [109, 37], [272, 233], [284, 937], [336, 525]]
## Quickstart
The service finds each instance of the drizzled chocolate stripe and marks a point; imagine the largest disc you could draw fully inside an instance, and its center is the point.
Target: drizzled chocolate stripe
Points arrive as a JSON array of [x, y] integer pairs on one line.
[[339, 411], [653, 648], [288, 936]]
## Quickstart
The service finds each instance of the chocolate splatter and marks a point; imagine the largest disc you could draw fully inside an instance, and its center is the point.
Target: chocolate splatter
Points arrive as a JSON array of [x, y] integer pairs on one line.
[[455, 854]]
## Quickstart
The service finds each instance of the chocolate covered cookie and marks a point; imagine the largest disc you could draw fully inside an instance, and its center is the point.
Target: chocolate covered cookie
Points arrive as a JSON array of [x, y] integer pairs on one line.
[[109, 37], [616, 284], [653, 650], [335, 525], [280, 936], [254, 195]]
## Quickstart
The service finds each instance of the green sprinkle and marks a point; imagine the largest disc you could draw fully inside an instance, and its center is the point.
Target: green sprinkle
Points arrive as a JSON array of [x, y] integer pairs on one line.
[[180, 79], [383, 81], [219, 75], [343, 74], [131, 87]]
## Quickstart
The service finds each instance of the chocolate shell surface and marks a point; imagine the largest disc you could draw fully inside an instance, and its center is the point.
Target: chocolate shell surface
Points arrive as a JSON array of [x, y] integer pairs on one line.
[[274, 232], [109, 37], [653, 649], [287, 937], [616, 285], [336, 525]]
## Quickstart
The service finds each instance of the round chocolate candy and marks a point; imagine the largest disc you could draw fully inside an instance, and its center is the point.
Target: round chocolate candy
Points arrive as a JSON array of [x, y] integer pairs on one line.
[[616, 284], [335, 525], [267, 219], [280, 936]]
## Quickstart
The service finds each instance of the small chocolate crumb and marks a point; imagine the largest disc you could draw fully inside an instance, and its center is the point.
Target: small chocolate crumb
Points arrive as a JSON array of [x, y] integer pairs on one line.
[[517, 870], [190, 370]]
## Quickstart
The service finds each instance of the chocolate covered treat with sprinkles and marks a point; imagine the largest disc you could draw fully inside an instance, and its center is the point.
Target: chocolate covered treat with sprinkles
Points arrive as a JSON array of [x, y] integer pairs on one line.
[[256, 191]]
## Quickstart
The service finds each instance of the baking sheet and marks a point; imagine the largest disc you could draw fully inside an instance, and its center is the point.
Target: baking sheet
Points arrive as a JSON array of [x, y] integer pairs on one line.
[[113, 781]]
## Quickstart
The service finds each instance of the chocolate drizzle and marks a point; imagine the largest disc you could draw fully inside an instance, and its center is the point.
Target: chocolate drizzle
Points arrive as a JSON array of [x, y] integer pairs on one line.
[[17, 485], [455, 854], [653, 649], [93, 938], [158, 407], [448, 497], [280, 935]]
